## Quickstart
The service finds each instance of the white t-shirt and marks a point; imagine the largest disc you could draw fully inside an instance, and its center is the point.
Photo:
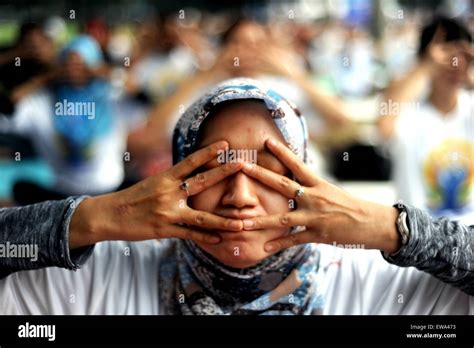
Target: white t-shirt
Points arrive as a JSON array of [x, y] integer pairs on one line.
[[102, 172], [122, 278], [434, 157]]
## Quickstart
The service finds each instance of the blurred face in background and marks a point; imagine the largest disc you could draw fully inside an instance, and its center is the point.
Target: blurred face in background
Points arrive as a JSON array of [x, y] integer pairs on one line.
[[245, 41], [240, 196], [75, 70], [454, 73], [248, 34], [38, 46]]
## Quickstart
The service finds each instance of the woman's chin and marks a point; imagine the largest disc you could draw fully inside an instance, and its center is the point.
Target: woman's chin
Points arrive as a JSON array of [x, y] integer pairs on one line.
[[237, 254]]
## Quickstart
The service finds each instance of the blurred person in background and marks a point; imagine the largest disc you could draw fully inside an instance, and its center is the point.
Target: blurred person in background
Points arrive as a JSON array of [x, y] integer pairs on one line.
[[72, 125], [162, 58], [25, 64], [248, 49], [343, 54], [165, 55], [271, 56], [429, 120], [99, 30]]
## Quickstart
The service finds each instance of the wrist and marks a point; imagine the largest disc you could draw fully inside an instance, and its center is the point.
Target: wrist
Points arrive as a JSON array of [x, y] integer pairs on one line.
[[392, 240], [384, 222], [85, 228]]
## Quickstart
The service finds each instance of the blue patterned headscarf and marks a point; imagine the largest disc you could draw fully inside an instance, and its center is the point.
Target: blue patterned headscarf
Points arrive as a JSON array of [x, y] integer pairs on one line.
[[194, 282], [286, 116]]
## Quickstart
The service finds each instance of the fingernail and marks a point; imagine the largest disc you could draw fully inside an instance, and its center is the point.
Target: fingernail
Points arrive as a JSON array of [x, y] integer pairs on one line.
[[223, 145], [270, 247], [249, 224], [236, 165], [272, 141], [248, 166], [236, 225]]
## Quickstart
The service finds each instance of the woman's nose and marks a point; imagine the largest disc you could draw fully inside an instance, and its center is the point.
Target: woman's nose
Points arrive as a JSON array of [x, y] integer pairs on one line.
[[240, 192]]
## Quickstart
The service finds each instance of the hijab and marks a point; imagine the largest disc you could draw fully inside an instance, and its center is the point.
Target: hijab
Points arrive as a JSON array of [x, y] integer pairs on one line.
[[194, 282]]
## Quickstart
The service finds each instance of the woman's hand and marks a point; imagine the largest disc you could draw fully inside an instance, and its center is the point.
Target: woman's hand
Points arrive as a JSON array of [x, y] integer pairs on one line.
[[330, 215], [155, 207]]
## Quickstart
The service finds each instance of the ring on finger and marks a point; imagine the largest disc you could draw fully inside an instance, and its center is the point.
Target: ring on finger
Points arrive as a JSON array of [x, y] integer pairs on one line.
[[299, 192], [185, 187]]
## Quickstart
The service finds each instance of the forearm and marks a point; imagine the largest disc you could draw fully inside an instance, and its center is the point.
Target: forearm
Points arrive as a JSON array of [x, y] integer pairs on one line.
[[404, 90], [41, 232], [331, 109], [441, 247], [28, 87], [411, 86]]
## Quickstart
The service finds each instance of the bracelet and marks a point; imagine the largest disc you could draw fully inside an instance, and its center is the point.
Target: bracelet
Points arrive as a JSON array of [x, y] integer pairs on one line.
[[402, 228]]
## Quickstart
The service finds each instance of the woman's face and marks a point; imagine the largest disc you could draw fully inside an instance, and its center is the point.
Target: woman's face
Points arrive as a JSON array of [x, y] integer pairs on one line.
[[75, 70], [455, 73], [245, 126]]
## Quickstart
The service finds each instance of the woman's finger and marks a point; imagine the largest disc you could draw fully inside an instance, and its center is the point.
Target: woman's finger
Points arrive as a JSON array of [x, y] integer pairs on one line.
[[183, 232], [290, 240], [210, 221], [276, 181], [295, 218], [197, 159], [202, 181], [292, 162]]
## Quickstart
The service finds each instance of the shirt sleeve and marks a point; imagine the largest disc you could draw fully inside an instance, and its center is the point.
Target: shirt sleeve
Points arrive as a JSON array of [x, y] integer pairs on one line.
[[440, 247], [37, 236]]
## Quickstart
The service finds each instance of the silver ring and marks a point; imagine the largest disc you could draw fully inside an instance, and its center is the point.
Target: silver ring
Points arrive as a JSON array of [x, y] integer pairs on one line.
[[299, 192], [185, 187]]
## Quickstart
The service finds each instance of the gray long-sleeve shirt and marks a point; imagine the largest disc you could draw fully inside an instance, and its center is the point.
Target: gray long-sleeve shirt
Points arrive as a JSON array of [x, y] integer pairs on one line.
[[41, 232], [439, 247]]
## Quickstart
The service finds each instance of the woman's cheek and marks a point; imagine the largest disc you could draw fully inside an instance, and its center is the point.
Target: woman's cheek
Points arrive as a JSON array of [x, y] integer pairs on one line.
[[206, 200], [274, 202]]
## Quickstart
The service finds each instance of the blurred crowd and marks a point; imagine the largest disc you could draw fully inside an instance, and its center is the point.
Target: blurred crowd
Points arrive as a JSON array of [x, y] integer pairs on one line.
[[99, 107]]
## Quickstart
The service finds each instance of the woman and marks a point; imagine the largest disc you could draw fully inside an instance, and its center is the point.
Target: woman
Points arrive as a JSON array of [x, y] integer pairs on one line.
[[237, 274], [72, 127]]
